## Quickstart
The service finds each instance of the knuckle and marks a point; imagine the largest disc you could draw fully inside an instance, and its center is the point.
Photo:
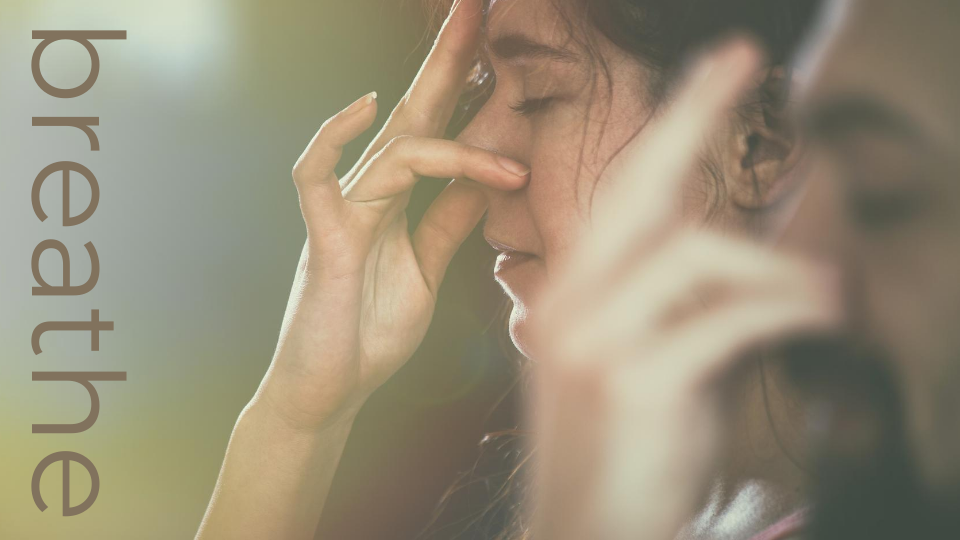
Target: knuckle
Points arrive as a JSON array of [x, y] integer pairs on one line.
[[399, 145], [325, 127], [324, 133], [416, 118], [470, 153], [298, 171], [403, 149], [330, 134]]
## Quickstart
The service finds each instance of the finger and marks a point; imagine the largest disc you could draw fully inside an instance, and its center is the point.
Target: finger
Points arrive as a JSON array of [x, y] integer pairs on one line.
[[313, 172], [568, 422], [397, 167], [689, 275], [429, 103], [670, 401], [316, 164], [444, 227], [434, 93], [711, 345], [648, 176], [655, 169]]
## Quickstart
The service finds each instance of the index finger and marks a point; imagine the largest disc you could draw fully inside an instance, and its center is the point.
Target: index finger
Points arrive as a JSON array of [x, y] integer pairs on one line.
[[429, 103]]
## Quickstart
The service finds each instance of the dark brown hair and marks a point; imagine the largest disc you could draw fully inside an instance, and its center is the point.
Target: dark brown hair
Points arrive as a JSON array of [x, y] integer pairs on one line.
[[663, 35]]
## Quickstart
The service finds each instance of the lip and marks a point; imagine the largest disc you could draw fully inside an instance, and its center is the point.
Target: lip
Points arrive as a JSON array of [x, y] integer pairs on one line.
[[509, 258], [500, 246]]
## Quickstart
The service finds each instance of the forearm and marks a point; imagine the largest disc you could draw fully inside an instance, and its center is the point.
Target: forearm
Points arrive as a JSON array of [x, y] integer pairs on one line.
[[275, 478]]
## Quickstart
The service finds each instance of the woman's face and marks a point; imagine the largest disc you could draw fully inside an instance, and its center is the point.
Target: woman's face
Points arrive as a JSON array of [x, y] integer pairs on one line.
[[555, 110]]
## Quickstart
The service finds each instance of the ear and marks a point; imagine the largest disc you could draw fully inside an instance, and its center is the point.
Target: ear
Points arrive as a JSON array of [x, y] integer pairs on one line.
[[763, 150]]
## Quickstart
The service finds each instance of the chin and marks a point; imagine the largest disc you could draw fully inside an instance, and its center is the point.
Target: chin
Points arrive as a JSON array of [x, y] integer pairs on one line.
[[519, 327]]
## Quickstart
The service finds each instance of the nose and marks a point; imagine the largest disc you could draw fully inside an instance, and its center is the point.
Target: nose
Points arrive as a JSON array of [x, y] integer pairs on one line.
[[820, 230], [497, 128], [817, 226]]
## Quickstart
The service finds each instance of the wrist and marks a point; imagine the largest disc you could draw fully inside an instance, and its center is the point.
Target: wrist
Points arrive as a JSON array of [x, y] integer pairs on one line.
[[273, 405]]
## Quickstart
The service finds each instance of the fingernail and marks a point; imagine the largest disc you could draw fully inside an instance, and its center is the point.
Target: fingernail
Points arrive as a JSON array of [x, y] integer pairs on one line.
[[361, 103], [513, 167]]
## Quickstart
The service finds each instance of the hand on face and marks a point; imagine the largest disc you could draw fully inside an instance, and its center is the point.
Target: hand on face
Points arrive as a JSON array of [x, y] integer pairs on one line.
[[365, 289], [643, 324]]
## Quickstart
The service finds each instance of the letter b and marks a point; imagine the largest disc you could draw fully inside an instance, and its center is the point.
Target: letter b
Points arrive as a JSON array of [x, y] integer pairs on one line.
[[82, 37]]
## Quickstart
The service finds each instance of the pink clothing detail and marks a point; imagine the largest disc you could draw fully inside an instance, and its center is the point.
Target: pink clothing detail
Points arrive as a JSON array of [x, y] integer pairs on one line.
[[785, 528]]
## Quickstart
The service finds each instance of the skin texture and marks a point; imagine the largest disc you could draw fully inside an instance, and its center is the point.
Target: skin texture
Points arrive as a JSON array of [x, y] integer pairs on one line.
[[364, 292], [885, 72]]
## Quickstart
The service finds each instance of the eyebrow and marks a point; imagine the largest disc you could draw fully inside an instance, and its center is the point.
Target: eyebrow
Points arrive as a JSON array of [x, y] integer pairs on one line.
[[518, 47], [845, 114]]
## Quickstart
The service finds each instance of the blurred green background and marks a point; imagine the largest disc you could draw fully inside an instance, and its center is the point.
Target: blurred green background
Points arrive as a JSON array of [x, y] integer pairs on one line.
[[203, 110]]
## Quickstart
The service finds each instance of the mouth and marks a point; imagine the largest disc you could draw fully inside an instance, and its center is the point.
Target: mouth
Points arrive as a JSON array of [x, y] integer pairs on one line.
[[509, 258]]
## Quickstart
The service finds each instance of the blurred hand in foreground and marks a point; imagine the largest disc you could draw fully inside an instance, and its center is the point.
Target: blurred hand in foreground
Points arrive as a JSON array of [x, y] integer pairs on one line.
[[643, 327]]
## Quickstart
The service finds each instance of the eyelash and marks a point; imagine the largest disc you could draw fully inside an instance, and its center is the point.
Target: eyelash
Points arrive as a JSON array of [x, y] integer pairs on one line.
[[529, 107]]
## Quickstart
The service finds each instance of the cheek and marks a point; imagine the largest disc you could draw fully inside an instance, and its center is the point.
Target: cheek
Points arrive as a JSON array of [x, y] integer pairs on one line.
[[556, 199], [912, 302], [912, 293], [556, 196], [568, 164]]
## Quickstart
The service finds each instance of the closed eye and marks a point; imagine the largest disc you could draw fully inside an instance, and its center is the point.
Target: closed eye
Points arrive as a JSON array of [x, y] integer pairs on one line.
[[882, 211], [529, 107]]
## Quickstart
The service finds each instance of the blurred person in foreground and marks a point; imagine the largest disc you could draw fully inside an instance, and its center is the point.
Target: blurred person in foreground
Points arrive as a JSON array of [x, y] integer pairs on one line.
[[616, 184], [882, 110], [882, 373]]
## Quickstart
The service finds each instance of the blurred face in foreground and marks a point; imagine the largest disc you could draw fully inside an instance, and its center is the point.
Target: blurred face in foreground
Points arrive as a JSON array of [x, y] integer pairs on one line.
[[884, 107]]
